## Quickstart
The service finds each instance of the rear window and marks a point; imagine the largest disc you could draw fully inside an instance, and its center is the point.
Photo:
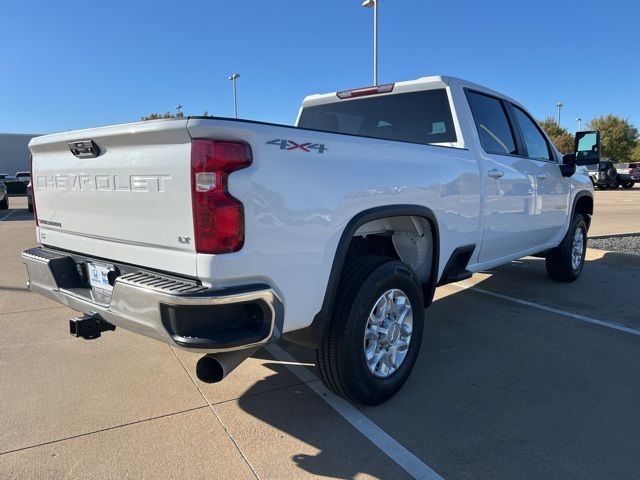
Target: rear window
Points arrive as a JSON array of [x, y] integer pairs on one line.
[[416, 117]]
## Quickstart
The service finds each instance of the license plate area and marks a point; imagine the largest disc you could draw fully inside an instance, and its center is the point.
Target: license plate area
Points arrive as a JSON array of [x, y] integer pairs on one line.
[[98, 276]]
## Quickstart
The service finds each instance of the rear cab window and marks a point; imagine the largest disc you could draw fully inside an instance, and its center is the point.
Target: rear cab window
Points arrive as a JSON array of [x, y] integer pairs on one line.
[[417, 117], [492, 124]]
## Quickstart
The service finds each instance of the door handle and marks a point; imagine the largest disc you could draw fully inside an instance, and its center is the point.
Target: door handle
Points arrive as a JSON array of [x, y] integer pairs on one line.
[[541, 176], [495, 173]]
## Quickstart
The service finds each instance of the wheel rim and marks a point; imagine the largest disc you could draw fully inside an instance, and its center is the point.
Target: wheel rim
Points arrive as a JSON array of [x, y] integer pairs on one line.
[[387, 335], [577, 251]]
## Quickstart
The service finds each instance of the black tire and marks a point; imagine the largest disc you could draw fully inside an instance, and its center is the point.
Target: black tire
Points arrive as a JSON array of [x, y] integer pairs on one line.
[[4, 204], [628, 185], [340, 358], [603, 186], [559, 260]]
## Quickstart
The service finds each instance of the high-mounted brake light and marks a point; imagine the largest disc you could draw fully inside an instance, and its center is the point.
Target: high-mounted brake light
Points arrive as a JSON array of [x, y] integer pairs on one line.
[[218, 218], [362, 92], [33, 190]]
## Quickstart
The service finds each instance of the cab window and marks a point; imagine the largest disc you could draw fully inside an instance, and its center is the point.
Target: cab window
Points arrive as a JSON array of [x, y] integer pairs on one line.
[[534, 141], [492, 124]]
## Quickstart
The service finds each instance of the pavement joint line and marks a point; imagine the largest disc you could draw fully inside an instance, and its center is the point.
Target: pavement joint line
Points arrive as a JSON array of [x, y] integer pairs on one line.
[[7, 215], [224, 427], [376, 435], [101, 430], [558, 311]]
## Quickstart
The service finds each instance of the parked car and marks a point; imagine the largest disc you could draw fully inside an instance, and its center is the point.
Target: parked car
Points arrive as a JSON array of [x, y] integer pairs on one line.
[[4, 197], [14, 186], [628, 174], [333, 234], [30, 197], [4, 176], [604, 175], [23, 177]]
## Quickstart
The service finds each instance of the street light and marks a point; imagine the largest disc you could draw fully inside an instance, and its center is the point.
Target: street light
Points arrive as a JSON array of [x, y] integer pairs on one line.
[[579, 120], [233, 79], [559, 105], [374, 4], [178, 110]]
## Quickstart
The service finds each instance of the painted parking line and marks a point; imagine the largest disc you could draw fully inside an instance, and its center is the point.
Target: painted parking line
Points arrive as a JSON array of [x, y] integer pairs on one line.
[[8, 215], [575, 316], [381, 439]]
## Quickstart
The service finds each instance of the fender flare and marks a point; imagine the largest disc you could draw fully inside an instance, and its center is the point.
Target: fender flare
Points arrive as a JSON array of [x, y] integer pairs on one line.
[[313, 335], [579, 195]]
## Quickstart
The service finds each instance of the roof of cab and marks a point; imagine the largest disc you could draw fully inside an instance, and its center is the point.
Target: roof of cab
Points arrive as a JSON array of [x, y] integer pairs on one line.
[[423, 83]]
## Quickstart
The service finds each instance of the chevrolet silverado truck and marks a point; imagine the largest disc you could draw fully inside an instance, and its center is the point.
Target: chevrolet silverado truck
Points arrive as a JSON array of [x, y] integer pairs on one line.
[[220, 236]]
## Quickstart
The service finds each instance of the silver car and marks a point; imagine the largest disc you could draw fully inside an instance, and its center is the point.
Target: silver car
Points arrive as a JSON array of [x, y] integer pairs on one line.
[[4, 198]]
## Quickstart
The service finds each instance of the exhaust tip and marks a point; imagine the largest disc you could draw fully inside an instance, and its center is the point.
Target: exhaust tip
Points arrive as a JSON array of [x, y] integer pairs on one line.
[[209, 370]]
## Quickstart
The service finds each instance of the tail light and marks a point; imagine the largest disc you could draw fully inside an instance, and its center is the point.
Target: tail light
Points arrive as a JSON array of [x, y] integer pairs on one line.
[[218, 217], [33, 190]]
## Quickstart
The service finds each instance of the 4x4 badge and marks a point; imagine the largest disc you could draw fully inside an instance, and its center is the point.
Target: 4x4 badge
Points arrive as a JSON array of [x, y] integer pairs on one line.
[[291, 145]]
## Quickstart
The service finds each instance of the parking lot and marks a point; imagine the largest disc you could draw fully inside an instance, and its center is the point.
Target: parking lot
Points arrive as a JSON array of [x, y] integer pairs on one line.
[[518, 377]]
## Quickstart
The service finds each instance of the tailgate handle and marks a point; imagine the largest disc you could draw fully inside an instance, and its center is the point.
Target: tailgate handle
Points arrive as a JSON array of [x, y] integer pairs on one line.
[[84, 148]]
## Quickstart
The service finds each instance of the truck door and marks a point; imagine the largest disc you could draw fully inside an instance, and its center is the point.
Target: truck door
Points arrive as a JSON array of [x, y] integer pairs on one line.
[[551, 189], [510, 201]]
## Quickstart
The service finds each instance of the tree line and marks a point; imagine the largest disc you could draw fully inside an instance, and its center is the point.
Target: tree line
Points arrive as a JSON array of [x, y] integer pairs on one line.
[[620, 140]]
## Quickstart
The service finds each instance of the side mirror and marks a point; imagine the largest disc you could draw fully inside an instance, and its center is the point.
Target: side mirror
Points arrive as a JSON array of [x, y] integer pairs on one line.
[[587, 148], [568, 165]]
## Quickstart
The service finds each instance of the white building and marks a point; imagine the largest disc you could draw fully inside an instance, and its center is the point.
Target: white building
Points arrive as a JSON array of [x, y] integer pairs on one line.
[[14, 153]]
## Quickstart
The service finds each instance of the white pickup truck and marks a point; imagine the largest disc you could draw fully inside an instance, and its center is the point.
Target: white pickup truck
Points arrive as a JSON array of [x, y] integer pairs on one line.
[[220, 236]]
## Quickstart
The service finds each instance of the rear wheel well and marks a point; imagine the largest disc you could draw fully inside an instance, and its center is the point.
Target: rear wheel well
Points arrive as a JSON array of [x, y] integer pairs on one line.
[[370, 232], [406, 238]]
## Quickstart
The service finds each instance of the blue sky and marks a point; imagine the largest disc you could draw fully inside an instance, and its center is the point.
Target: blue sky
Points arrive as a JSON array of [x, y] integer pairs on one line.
[[75, 64]]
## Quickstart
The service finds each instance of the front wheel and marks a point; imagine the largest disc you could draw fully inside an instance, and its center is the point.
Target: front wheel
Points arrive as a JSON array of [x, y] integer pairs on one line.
[[628, 184], [603, 186], [375, 333], [565, 262]]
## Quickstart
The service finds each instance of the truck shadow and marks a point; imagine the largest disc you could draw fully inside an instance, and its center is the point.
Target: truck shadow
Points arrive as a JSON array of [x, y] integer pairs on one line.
[[498, 386]]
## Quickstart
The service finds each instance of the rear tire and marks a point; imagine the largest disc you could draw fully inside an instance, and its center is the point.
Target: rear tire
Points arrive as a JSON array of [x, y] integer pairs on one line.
[[364, 357], [603, 186], [565, 262], [628, 185], [4, 204]]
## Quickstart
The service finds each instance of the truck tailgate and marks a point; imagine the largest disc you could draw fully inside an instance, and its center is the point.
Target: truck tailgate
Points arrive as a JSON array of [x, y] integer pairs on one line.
[[131, 203]]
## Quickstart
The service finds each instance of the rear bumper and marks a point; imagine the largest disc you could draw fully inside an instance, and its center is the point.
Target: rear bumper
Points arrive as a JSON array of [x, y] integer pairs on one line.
[[176, 311]]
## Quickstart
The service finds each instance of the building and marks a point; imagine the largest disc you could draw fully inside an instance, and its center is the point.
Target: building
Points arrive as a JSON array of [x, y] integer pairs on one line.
[[14, 152]]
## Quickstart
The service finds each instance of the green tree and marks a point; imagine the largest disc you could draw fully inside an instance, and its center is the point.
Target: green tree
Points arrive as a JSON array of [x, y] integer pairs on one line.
[[635, 153], [560, 136], [618, 136], [156, 116]]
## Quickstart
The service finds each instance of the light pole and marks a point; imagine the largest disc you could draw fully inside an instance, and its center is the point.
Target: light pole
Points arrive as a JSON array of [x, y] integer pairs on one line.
[[178, 110], [579, 120], [233, 79], [374, 4], [559, 105]]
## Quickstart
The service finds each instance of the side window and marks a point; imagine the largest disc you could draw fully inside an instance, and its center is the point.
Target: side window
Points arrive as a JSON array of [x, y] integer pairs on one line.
[[535, 142], [492, 124]]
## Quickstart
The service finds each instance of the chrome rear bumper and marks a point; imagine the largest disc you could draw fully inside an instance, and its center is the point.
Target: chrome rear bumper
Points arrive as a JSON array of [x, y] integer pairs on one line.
[[176, 311]]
